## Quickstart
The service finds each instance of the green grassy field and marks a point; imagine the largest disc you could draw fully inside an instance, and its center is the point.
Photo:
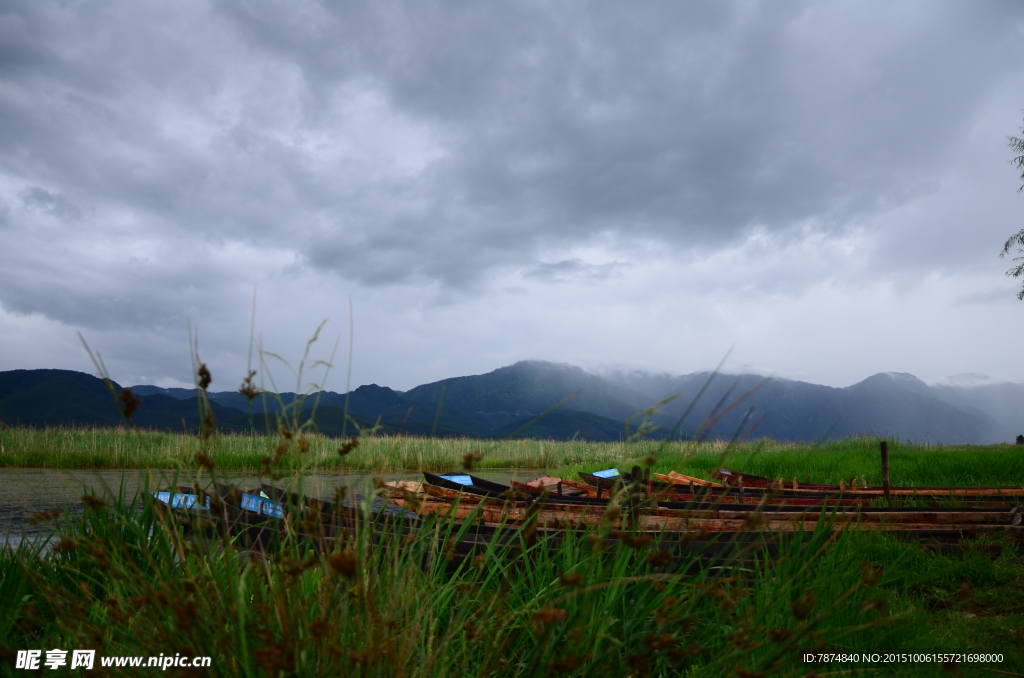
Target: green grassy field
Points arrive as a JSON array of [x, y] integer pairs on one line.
[[910, 464], [124, 582], [121, 579]]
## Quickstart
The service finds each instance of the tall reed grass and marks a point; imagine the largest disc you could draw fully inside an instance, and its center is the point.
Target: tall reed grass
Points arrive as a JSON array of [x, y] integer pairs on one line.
[[911, 463], [124, 579]]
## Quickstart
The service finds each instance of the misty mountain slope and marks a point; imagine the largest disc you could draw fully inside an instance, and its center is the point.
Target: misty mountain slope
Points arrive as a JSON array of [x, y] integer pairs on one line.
[[409, 415], [55, 397], [901, 405], [790, 410], [531, 387], [896, 404], [1003, 402], [143, 390], [66, 398], [177, 414], [504, 400], [787, 409], [565, 425], [268, 403], [225, 398], [498, 403], [369, 402]]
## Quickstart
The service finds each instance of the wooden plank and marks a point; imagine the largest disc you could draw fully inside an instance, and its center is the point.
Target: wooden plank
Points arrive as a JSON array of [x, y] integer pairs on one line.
[[775, 511], [681, 522]]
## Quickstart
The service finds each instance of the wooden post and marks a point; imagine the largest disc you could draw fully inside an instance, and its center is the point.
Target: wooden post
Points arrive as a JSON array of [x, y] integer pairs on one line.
[[885, 469]]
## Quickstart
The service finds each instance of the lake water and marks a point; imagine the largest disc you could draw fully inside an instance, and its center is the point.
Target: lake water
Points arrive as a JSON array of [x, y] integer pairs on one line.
[[26, 492]]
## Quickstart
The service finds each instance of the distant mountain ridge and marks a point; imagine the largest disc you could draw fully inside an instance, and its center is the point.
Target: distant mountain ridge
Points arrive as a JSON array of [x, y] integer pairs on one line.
[[501, 402], [891, 403], [531, 387]]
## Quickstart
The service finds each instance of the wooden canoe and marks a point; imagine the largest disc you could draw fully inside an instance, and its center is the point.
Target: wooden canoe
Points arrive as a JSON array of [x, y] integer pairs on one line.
[[765, 512], [732, 478], [564, 517]]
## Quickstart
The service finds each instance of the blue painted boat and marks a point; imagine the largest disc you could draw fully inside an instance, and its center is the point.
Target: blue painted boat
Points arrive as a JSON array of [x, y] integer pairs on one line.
[[261, 505], [180, 500]]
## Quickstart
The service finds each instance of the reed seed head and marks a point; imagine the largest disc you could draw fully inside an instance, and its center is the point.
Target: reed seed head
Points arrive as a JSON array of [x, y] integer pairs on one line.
[[345, 564], [871, 574], [203, 377], [570, 579], [95, 503], [248, 389], [803, 606], [659, 558], [204, 462], [128, 402], [550, 615]]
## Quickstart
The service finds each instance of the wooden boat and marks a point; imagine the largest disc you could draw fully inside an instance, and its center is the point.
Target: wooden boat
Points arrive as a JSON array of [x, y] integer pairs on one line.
[[494, 511], [553, 485], [720, 493], [465, 525], [187, 507], [437, 485], [604, 481], [476, 514], [673, 478], [748, 485], [733, 479], [182, 498], [566, 510], [487, 488]]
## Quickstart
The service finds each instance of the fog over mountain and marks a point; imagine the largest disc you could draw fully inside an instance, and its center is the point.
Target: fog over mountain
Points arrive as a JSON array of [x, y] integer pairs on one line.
[[891, 403], [963, 409], [558, 401]]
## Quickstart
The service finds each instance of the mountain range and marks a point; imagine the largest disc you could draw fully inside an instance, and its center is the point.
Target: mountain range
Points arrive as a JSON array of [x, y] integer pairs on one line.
[[573, 402]]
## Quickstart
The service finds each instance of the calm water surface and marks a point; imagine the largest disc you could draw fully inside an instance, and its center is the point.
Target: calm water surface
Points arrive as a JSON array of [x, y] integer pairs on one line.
[[26, 492]]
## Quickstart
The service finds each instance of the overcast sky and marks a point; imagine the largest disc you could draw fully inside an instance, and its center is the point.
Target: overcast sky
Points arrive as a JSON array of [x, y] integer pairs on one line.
[[824, 185]]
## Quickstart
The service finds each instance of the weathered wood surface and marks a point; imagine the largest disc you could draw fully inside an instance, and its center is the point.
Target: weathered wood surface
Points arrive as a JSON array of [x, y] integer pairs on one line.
[[811, 493], [731, 478], [599, 496], [766, 503], [726, 541], [685, 493], [708, 520]]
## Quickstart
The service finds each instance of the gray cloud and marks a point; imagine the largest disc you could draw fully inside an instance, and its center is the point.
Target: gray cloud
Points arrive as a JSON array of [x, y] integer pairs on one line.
[[547, 126], [158, 160], [50, 203], [569, 270]]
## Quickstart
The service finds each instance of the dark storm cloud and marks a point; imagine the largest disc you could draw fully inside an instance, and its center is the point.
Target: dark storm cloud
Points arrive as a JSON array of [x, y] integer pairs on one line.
[[413, 142], [570, 270], [688, 124]]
